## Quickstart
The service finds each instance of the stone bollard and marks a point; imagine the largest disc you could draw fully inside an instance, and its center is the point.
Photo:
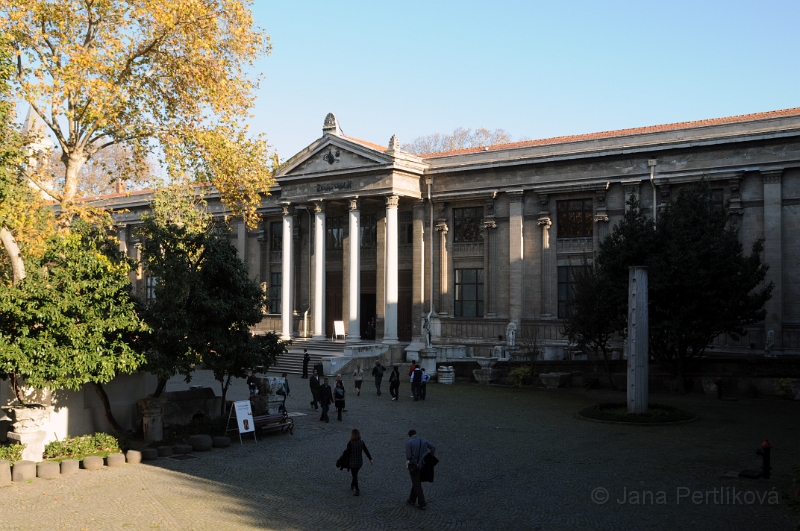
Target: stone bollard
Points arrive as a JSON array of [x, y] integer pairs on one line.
[[134, 457], [149, 454], [48, 470], [93, 462], [201, 443], [164, 451], [5, 473], [182, 449], [23, 471], [70, 466], [115, 460]]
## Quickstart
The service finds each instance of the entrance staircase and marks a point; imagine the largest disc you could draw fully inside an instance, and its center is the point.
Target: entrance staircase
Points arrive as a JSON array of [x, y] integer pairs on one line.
[[292, 361]]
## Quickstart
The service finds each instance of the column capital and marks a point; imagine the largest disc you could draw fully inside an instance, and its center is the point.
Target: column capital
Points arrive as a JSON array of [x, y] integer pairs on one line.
[[286, 208], [421, 204], [441, 226], [489, 223], [772, 176], [354, 203], [516, 196], [392, 201], [319, 207], [600, 217], [544, 221]]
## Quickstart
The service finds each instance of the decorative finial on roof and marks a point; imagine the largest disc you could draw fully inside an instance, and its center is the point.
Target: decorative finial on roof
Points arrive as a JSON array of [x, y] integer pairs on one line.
[[331, 125], [394, 144]]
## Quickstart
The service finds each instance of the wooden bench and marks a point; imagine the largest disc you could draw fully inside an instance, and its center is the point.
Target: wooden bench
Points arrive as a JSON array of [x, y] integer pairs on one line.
[[273, 422]]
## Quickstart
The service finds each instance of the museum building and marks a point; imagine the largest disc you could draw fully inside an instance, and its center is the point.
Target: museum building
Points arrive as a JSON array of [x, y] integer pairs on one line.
[[483, 242]]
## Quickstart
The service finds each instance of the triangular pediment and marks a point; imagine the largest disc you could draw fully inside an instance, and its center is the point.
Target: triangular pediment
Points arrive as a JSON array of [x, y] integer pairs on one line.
[[332, 154]]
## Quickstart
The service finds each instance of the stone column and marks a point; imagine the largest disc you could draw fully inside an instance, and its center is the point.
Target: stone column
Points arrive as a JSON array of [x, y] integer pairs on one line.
[[286, 274], [547, 258], [319, 271], [601, 220], [241, 241], [515, 255], [773, 252], [489, 256], [390, 313], [419, 251], [122, 234], [354, 273], [444, 269], [638, 341]]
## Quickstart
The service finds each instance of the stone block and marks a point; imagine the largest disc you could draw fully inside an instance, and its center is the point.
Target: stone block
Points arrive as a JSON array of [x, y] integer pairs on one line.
[[70, 466], [149, 454], [134, 457], [554, 380], [164, 451], [115, 460], [93, 462], [221, 442], [201, 443], [182, 449], [48, 470], [23, 471], [5, 473]]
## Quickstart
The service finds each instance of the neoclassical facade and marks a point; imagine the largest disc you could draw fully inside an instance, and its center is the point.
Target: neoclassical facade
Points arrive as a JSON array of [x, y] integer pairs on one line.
[[481, 238]]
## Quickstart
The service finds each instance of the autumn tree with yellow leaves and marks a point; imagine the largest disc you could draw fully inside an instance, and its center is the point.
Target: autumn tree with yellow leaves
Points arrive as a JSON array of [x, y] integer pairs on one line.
[[165, 79]]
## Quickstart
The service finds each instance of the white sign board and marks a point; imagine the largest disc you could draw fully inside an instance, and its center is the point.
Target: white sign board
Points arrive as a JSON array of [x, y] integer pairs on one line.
[[244, 416], [338, 329]]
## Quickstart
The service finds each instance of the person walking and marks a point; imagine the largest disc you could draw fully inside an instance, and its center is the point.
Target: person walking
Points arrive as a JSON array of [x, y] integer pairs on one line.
[[338, 398], [252, 383], [394, 383], [416, 382], [306, 360], [325, 400], [377, 372], [416, 450], [358, 376], [411, 374], [284, 390], [313, 384], [355, 447], [423, 385]]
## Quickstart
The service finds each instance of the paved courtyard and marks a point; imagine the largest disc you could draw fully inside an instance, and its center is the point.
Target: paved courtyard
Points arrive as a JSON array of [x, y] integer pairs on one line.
[[513, 459]]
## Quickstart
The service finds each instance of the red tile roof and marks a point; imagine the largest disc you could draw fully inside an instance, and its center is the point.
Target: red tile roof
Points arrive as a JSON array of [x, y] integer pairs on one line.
[[370, 145], [795, 111]]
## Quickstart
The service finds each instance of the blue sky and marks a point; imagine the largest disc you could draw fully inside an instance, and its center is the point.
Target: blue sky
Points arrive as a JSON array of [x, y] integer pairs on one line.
[[535, 69]]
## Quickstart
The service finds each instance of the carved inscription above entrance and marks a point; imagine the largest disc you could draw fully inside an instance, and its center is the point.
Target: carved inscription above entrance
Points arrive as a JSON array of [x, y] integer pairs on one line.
[[330, 187]]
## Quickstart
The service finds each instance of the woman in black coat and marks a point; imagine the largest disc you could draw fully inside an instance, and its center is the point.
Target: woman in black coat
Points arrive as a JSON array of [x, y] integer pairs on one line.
[[355, 462]]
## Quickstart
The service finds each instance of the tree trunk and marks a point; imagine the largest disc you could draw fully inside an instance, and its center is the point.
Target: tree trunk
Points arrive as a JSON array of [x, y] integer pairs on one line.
[[162, 384], [608, 370], [107, 408], [224, 394], [17, 388], [73, 162], [12, 250]]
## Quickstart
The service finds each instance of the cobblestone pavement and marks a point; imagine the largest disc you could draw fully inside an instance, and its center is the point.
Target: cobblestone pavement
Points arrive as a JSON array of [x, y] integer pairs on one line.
[[513, 459]]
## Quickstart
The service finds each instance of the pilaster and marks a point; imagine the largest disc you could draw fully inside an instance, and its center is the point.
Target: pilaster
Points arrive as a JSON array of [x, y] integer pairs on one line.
[[515, 255], [287, 270], [773, 253], [390, 324], [319, 271], [489, 259], [548, 257]]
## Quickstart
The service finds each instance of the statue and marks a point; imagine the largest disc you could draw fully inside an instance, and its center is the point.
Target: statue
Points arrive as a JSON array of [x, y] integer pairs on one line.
[[511, 334], [768, 344], [427, 328]]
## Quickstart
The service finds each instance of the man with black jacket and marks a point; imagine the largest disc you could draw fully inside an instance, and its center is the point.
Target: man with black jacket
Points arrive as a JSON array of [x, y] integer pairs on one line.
[[325, 400], [306, 359], [416, 450], [313, 383]]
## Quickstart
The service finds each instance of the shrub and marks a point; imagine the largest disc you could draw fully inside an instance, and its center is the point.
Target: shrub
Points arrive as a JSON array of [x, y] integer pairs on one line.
[[82, 445], [521, 376], [783, 387], [12, 452]]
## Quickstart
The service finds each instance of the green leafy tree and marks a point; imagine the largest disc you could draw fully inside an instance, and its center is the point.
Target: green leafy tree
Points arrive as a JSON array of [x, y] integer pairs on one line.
[[205, 303], [71, 321], [700, 283], [703, 285]]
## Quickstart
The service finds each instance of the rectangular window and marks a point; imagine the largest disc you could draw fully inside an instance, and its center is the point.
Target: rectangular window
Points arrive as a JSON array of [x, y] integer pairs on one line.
[[150, 290], [715, 199], [469, 293], [467, 224], [275, 292], [566, 289], [276, 236], [369, 231], [334, 233], [575, 218]]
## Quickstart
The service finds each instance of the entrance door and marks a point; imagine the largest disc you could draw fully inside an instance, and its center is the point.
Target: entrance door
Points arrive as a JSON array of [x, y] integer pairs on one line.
[[404, 323], [333, 300], [368, 304]]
